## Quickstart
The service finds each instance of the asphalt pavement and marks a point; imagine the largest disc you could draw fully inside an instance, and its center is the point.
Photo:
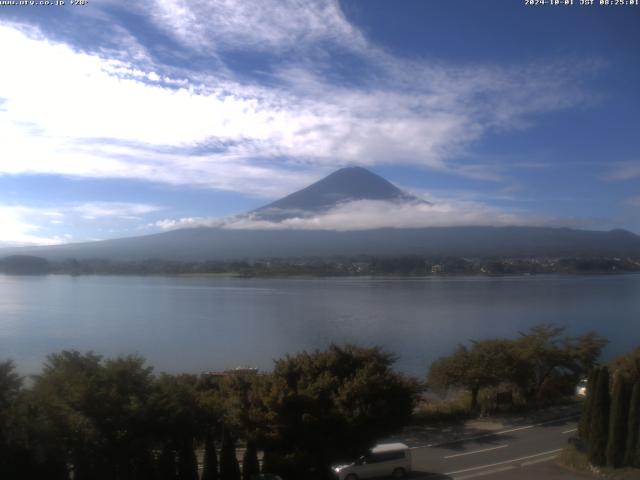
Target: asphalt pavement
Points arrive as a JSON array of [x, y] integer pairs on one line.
[[522, 452]]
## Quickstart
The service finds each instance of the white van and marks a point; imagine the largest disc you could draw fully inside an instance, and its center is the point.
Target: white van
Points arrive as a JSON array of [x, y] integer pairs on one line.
[[384, 460]]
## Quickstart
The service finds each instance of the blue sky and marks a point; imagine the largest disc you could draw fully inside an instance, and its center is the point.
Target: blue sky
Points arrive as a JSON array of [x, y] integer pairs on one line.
[[129, 118]]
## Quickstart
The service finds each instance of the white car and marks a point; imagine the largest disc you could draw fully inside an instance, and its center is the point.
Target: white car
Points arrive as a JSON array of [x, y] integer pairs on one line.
[[384, 460]]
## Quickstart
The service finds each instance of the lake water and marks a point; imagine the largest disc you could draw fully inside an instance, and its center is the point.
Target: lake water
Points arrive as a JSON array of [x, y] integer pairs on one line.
[[199, 324]]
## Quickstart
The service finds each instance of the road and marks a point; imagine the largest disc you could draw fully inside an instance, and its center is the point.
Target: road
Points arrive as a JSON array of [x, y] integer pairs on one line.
[[516, 453]]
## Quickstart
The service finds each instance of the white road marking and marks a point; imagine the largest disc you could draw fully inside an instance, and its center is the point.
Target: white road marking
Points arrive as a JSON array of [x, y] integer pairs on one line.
[[502, 432], [488, 472], [483, 467], [570, 431], [476, 451], [539, 460], [536, 425]]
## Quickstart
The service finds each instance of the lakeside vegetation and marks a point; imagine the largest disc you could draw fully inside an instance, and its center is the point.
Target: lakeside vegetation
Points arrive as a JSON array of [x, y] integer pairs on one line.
[[88, 417], [538, 368], [325, 266]]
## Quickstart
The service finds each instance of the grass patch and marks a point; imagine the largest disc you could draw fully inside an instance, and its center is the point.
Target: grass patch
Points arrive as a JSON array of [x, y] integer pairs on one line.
[[457, 408], [431, 411], [575, 460]]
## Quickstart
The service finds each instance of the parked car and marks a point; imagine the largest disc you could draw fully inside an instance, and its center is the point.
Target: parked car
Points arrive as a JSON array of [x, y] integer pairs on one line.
[[384, 460]]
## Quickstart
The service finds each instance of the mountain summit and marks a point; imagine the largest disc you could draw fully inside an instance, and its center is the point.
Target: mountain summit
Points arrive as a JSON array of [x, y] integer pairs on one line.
[[344, 185]]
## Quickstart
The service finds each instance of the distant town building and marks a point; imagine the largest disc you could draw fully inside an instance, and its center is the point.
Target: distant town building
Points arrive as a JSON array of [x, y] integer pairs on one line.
[[238, 371]]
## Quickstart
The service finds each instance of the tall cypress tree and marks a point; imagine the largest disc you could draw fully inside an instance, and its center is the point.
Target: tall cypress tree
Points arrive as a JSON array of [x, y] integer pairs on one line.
[[587, 408], [229, 468], [250, 464], [599, 427], [210, 470], [166, 464], [631, 457], [618, 421], [271, 462], [187, 462], [143, 466]]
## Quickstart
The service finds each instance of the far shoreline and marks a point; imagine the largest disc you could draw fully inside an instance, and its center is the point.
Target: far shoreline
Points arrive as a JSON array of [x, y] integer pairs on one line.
[[238, 275]]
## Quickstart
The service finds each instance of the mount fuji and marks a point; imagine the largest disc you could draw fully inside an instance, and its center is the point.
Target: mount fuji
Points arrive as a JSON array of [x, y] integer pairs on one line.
[[345, 186]]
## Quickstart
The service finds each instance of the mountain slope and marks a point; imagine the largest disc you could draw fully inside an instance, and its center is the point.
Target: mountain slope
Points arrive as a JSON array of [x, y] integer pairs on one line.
[[217, 243], [346, 184]]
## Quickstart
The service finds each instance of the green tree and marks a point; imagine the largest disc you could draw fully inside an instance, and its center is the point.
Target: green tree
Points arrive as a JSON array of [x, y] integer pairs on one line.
[[120, 415], [584, 351], [630, 364], [347, 394], [633, 428], [618, 421], [272, 462], [93, 414], [242, 405], [599, 429], [177, 413], [487, 363], [210, 468], [546, 356], [66, 395], [36, 450], [542, 364], [229, 468], [187, 463], [244, 416], [166, 464], [212, 407], [587, 407], [250, 464], [10, 390], [10, 386]]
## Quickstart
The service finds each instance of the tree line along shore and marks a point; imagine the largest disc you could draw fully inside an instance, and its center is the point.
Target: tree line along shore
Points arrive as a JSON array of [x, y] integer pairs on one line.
[[88, 417], [324, 266]]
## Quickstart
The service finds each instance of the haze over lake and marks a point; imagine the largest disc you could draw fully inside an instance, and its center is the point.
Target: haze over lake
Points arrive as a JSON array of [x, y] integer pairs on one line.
[[198, 324]]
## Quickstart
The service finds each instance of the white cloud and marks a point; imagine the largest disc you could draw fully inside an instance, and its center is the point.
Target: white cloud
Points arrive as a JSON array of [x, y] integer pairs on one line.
[[66, 112], [186, 222], [28, 225], [19, 226], [624, 171], [633, 201], [254, 24], [127, 211], [372, 214]]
